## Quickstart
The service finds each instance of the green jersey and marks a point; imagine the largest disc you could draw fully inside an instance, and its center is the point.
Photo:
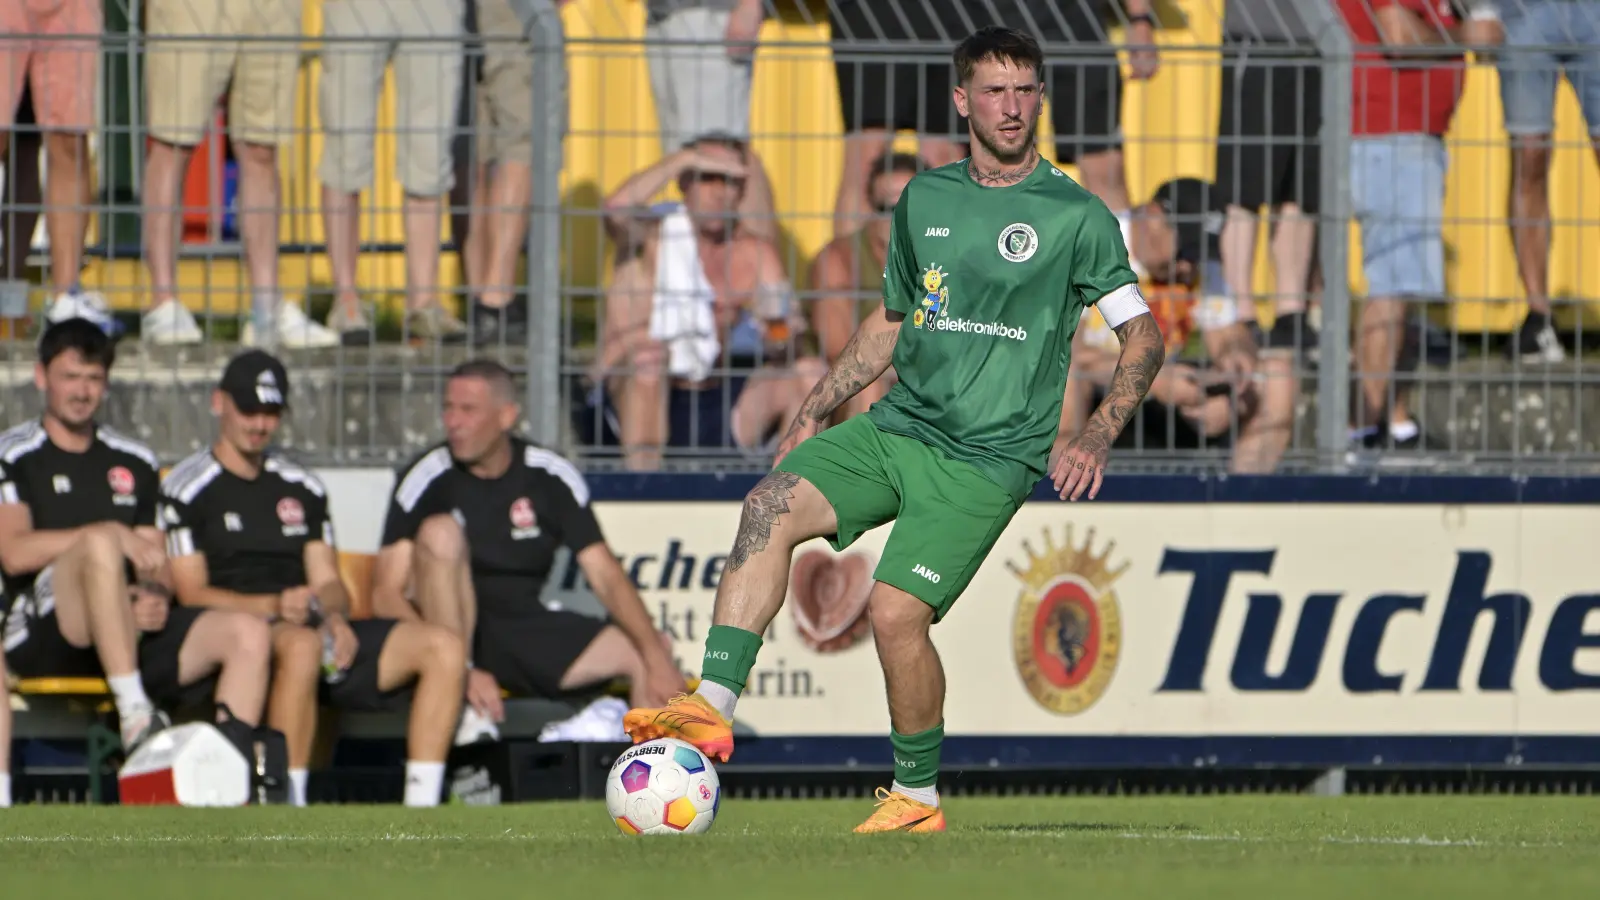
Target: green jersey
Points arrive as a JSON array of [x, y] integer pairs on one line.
[[992, 282]]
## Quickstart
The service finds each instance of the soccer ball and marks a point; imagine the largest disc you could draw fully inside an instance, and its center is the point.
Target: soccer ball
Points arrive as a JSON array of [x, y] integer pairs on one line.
[[664, 786]]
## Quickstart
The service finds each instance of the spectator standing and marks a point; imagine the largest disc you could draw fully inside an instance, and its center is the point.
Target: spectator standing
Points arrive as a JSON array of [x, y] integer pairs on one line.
[[1545, 39], [52, 45], [250, 51], [1267, 156], [424, 39], [1402, 105], [702, 56]]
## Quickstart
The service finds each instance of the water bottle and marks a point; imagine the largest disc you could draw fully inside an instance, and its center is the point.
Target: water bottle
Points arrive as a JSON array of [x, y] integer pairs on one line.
[[331, 673]]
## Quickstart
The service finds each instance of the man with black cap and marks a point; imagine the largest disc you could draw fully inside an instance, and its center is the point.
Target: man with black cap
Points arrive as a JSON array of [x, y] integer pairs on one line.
[[86, 580], [1238, 391], [249, 530]]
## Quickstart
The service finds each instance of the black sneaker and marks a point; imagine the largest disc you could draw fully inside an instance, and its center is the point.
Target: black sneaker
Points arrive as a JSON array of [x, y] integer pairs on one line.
[[1536, 341], [493, 327]]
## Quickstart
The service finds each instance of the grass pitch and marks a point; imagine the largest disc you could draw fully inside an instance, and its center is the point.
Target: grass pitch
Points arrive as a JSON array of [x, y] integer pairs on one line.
[[1239, 848]]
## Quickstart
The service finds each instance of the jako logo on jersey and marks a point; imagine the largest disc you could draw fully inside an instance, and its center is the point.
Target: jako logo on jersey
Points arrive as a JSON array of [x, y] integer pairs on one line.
[[1018, 242], [935, 298], [937, 232], [925, 572]]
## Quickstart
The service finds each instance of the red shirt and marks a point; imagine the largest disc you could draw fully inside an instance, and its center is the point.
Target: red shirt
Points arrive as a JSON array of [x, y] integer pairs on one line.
[[1401, 96]]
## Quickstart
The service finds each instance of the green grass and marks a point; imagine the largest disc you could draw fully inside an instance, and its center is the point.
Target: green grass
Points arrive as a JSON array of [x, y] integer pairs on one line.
[[1228, 847]]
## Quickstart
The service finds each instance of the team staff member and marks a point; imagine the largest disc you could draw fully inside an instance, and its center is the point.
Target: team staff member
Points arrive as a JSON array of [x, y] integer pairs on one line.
[[77, 519], [249, 530], [482, 578]]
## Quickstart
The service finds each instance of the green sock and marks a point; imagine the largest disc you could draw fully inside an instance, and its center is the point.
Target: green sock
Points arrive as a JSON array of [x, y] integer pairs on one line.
[[916, 756], [730, 654]]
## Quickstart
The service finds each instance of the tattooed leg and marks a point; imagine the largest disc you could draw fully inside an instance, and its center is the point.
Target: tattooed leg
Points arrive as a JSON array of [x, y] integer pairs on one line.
[[782, 512]]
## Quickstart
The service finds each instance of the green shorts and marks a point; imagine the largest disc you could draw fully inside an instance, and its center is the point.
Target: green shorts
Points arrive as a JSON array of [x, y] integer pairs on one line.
[[946, 514]]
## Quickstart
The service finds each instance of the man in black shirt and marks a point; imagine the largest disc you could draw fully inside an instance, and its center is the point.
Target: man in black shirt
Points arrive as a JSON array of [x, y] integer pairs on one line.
[[249, 530], [86, 580], [476, 522]]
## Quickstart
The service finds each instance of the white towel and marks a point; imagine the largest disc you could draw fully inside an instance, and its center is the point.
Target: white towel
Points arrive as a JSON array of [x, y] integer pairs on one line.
[[681, 315]]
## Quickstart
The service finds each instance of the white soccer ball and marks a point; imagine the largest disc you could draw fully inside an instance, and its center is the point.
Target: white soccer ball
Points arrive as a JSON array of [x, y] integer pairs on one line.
[[664, 786]]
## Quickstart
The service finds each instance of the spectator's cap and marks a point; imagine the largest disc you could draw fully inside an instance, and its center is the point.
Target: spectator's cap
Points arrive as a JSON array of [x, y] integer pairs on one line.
[[1196, 215], [257, 382]]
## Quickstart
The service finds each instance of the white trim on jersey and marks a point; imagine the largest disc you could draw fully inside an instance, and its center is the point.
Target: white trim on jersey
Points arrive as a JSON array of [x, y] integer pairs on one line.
[[294, 473], [189, 477], [423, 473], [180, 543], [21, 440], [8, 493], [118, 441], [557, 465], [1121, 305]]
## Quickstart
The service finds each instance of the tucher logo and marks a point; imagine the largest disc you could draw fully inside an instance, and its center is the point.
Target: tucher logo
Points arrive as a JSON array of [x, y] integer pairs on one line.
[[1018, 242], [1067, 632], [937, 232], [935, 298]]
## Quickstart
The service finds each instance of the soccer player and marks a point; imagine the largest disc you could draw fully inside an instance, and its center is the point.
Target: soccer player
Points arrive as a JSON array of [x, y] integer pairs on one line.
[[86, 573], [992, 261], [481, 574], [249, 530]]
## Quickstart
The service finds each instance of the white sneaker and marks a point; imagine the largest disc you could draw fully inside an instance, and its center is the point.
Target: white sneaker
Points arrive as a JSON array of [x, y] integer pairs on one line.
[[170, 324], [475, 727], [81, 304], [293, 330], [600, 721]]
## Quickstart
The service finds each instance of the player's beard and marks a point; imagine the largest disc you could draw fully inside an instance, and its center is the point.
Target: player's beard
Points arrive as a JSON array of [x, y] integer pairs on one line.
[[991, 140]]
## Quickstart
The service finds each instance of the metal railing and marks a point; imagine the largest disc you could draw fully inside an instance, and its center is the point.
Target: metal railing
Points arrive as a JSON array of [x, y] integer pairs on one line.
[[1230, 105]]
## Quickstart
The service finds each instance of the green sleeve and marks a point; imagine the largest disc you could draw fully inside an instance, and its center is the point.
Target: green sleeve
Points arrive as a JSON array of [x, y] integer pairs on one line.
[[901, 282], [1100, 261]]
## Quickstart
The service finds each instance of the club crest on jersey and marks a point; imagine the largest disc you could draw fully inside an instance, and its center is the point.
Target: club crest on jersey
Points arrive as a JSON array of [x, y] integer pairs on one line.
[[121, 481], [935, 298], [1018, 242], [524, 524], [293, 517]]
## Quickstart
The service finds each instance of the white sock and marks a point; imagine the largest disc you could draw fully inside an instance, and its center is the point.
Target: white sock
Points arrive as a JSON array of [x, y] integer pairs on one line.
[[297, 786], [1403, 431], [5, 790], [424, 783], [721, 699], [128, 692], [928, 795]]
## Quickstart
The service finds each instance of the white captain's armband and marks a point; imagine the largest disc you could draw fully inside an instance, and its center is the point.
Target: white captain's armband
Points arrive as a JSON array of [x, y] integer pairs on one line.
[[1122, 304]]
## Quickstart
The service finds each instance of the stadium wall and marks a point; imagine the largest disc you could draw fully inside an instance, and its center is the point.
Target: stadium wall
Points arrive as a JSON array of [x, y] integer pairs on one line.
[[1176, 621]]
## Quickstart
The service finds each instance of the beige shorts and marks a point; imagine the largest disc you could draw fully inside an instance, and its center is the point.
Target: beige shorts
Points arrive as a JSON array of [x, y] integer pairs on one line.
[[504, 121], [64, 72], [362, 38], [184, 77], [698, 89]]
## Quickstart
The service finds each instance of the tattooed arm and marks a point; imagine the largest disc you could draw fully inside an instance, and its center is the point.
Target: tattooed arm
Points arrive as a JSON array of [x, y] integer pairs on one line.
[[1082, 464], [865, 357]]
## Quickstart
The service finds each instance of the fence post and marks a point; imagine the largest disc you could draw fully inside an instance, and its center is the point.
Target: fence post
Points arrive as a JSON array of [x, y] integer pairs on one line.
[[544, 409], [1333, 229]]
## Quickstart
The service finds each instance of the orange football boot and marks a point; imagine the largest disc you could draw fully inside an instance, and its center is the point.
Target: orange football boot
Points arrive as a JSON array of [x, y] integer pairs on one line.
[[897, 812], [687, 717]]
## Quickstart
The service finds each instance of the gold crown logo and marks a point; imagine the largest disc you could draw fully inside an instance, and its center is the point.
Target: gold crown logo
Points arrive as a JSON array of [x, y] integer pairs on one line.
[[1042, 568]]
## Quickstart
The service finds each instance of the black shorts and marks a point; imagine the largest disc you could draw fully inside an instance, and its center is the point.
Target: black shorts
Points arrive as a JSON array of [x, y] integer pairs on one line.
[[158, 664], [1085, 92], [530, 655], [358, 691], [1268, 133], [34, 645]]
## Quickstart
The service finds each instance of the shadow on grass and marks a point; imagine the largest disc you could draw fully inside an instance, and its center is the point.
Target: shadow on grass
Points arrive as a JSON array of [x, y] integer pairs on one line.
[[1083, 828]]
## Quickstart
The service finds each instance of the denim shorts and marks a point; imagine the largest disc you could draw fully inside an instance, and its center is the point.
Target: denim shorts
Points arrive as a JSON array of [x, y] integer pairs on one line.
[[1397, 185], [1545, 38]]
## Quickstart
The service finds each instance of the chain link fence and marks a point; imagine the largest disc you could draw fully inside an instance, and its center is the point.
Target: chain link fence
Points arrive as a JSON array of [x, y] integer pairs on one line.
[[1376, 221]]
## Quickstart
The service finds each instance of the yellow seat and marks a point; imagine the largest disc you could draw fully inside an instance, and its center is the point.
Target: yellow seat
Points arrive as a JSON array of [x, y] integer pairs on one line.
[[61, 687]]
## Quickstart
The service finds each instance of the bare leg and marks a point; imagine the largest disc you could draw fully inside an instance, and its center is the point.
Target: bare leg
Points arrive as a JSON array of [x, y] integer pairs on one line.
[[259, 202], [773, 398], [610, 655], [634, 367], [292, 702], [5, 740], [164, 167], [66, 217], [475, 246], [342, 225], [1529, 200], [780, 513], [912, 672], [1103, 175], [510, 193], [1377, 349], [423, 217], [1265, 435], [1293, 242], [92, 608], [238, 644], [852, 208], [435, 659], [1238, 248], [442, 573]]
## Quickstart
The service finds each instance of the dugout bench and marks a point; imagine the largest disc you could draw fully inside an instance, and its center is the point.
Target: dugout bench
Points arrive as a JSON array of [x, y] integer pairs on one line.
[[72, 709]]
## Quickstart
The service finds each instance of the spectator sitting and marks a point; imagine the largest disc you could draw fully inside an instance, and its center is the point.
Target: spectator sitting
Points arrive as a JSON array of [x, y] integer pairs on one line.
[[1174, 239], [693, 287], [363, 36], [52, 45], [184, 80], [847, 274]]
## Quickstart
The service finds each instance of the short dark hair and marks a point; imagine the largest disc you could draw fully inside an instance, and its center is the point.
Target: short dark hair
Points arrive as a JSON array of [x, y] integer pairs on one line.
[[896, 161], [498, 376], [82, 335], [999, 45]]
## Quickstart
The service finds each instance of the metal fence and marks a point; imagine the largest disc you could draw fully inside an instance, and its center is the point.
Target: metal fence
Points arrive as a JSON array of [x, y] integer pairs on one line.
[[1255, 101]]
